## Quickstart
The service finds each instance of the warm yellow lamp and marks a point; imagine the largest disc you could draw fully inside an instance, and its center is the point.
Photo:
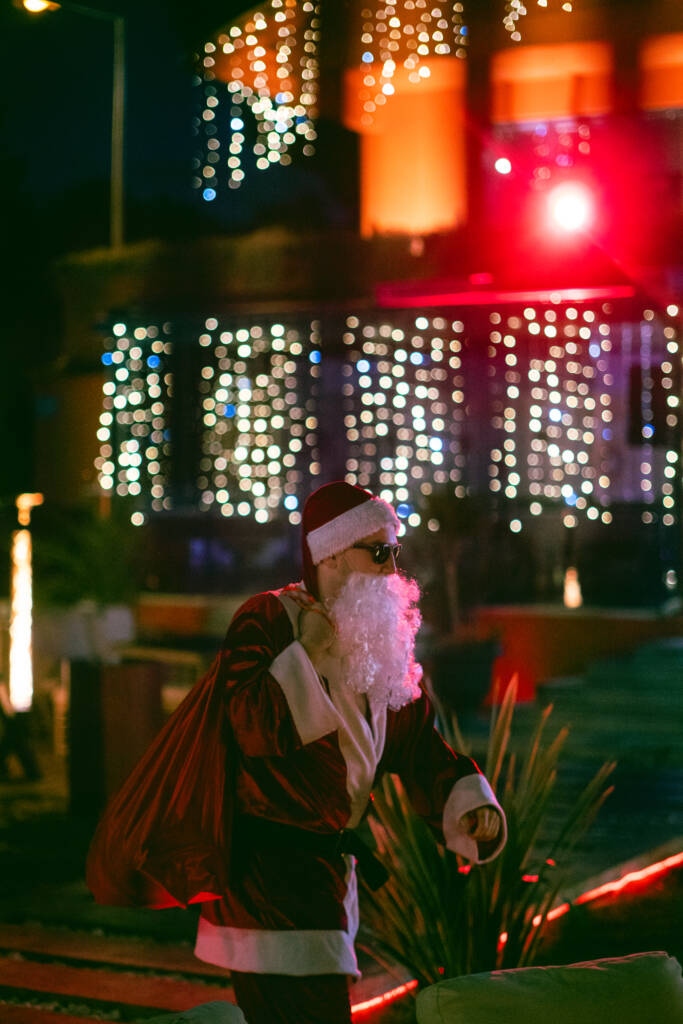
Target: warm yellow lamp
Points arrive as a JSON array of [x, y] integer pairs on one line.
[[38, 6], [21, 608]]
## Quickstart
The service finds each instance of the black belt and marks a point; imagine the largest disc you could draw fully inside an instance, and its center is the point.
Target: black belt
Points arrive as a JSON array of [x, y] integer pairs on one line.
[[323, 844]]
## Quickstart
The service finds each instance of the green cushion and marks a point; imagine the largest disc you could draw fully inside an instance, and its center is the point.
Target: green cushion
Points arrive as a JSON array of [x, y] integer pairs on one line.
[[645, 988]]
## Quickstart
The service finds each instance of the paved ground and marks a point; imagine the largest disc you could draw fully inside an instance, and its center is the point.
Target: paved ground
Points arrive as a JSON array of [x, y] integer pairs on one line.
[[625, 708]]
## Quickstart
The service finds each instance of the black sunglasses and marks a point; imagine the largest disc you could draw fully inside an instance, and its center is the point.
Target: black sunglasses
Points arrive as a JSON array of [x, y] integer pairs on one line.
[[380, 551]]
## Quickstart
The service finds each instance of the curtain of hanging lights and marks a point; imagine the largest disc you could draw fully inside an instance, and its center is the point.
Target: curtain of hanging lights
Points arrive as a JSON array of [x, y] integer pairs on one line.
[[396, 40], [399, 36], [554, 413], [263, 67]]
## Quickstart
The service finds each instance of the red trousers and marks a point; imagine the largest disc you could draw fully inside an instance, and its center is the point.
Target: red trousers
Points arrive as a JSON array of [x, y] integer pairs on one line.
[[285, 999]]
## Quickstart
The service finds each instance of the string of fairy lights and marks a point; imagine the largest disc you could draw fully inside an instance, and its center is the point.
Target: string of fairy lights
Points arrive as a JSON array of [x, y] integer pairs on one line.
[[259, 397], [263, 69], [516, 9], [547, 396], [135, 445], [404, 409], [558, 379], [262, 73], [403, 34]]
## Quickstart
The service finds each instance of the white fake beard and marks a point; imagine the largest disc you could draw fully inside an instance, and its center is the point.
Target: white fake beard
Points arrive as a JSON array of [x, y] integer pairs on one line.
[[377, 619]]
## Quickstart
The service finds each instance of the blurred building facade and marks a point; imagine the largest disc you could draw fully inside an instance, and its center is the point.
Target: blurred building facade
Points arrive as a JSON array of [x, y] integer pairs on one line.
[[493, 314]]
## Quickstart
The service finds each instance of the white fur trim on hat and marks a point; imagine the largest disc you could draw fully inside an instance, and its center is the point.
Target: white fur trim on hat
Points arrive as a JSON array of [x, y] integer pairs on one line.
[[344, 530]]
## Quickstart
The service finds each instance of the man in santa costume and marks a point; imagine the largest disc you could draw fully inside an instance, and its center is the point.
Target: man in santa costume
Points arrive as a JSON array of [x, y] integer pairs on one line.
[[319, 695]]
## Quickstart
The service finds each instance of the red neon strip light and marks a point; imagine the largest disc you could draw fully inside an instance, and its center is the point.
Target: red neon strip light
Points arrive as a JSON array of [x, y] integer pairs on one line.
[[558, 911], [386, 997], [631, 877], [390, 296], [591, 894]]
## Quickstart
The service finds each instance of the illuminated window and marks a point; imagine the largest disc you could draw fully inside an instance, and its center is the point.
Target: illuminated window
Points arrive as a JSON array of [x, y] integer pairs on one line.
[[532, 83], [661, 66]]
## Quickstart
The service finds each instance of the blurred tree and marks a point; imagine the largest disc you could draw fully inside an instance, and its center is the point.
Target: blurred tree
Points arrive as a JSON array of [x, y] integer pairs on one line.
[[79, 555]]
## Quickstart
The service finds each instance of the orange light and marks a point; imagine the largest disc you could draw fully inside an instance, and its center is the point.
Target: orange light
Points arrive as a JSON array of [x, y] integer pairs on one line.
[[535, 83], [20, 656], [412, 154], [661, 72], [38, 6], [572, 589], [21, 610], [25, 503]]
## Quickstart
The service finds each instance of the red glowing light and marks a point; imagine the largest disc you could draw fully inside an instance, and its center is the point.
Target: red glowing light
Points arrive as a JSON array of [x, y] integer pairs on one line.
[[632, 876], [481, 277], [591, 894], [386, 997], [503, 165], [398, 296], [570, 207], [529, 878], [558, 911]]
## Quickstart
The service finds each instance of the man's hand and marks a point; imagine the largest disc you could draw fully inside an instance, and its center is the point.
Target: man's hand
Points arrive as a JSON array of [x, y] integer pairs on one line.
[[483, 824], [316, 631]]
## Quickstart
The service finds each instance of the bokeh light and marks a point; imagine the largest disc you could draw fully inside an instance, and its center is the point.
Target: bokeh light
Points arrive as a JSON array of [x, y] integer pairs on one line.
[[570, 207]]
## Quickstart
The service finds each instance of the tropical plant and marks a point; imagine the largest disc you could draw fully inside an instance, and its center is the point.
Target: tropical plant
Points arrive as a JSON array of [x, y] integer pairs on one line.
[[437, 916]]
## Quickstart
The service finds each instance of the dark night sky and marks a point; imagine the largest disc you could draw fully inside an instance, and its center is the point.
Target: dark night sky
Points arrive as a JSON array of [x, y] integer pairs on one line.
[[55, 119], [55, 122], [57, 93]]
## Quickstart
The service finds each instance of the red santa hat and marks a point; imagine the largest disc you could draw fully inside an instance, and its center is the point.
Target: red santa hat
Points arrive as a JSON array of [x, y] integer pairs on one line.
[[335, 517]]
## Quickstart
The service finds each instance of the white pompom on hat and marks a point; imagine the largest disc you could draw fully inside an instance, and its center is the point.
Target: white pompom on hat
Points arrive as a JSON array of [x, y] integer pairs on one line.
[[336, 516]]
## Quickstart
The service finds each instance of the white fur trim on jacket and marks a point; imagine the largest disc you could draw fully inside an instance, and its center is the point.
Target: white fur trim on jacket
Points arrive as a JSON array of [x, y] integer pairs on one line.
[[469, 793], [300, 953], [344, 530], [312, 710]]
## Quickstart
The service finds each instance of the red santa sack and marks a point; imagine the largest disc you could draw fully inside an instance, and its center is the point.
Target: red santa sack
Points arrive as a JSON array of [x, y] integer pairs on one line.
[[163, 839]]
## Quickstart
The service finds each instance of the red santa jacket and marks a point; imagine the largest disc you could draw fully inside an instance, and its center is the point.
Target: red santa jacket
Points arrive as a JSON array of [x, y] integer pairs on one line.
[[257, 735]]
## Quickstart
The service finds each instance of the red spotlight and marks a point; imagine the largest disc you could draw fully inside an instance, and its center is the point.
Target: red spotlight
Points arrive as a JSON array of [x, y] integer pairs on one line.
[[570, 207]]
